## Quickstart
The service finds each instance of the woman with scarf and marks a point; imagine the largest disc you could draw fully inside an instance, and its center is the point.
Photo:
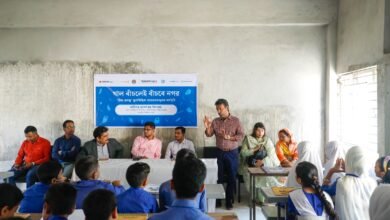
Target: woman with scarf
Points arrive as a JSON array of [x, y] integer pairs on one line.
[[286, 148], [257, 151]]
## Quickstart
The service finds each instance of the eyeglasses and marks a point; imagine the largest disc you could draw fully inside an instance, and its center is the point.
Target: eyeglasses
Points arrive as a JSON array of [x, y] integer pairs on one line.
[[70, 126]]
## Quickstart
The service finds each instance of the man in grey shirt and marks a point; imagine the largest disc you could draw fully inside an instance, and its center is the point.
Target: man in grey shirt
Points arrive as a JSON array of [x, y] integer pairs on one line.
[[102, 147], [179, 143]]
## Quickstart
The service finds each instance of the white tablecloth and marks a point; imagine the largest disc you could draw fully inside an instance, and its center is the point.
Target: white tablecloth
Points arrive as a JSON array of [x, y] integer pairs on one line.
[[160, 170]]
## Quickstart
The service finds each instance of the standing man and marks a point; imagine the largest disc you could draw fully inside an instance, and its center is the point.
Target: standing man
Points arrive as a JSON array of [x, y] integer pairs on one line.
[[147, 146], [34, 151], [66, 148], [102, 146], [179, 143], [228, 133]]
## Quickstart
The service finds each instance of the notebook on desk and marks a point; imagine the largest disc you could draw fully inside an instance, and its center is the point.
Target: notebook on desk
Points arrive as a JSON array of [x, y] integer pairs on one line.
[[274, 169], [282, 191]]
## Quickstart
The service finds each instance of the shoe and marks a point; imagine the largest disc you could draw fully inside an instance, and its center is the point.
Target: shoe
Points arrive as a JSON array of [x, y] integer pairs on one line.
[[229, 205]]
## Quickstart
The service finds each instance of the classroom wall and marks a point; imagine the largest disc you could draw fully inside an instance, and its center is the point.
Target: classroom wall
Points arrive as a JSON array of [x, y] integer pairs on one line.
[[360, 41], [268, 58]]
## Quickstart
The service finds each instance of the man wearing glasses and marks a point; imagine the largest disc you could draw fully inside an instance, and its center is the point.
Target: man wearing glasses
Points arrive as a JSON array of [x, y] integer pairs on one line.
[[147, 146], [66, 148]]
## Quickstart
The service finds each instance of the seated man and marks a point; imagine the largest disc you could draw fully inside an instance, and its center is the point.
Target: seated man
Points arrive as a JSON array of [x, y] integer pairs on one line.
[[102, 147], [167, 195], [136, 199], [35, 150], [147, 146], [100, 205], [188, 181], [48, 173], [10, 197], [66, 148], [179, 143], [60, 202], [87, 169]]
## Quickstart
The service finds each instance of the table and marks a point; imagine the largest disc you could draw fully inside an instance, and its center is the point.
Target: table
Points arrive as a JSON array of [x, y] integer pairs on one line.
[[5, 175], [270, 197], [253, 172]]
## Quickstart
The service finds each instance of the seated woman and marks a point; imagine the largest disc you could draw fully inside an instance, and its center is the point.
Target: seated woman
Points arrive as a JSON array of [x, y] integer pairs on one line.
[[253, 146], [286, 148], [307, 153], [382, 169], [333, 153], [353, 191], [379, 203]]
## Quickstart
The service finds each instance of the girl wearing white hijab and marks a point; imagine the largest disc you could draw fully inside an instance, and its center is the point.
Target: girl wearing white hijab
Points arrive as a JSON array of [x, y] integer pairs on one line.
[[379, 203], [333, 151], [353, 191], [307, 153]]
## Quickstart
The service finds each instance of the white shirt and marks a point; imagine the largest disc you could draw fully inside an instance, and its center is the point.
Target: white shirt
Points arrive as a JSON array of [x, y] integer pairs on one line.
[[102, 151], [175, 146]]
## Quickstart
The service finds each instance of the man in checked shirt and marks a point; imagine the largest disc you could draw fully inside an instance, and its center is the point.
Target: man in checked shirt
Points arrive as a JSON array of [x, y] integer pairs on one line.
[[228, 133]]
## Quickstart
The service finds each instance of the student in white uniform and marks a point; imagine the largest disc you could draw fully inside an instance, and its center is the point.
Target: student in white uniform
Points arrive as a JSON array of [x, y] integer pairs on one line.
[[379, 203], [353, 191], [307, 152], [333, 152], [309, 202]]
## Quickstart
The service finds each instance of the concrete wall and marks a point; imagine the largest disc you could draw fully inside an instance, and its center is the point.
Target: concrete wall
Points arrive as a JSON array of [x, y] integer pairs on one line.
[[360, 44], [268, 58]]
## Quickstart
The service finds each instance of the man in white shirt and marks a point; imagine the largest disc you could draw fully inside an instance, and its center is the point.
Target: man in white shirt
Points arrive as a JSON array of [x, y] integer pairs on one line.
[[179, 143]]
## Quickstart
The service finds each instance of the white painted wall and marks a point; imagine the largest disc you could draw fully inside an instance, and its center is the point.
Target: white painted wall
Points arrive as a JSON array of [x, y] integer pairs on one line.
[[267, 58]]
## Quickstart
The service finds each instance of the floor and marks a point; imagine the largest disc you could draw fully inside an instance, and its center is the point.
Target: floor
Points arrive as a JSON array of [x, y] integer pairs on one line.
[[242, 209]]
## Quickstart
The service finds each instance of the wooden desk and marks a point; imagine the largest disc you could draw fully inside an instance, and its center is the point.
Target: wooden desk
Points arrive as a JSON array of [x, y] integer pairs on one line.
[[254, 172], [270, 197], [223, 215]]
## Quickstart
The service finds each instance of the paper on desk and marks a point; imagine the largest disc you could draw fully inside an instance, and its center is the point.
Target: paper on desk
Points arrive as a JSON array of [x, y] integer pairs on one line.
[[282, 191]]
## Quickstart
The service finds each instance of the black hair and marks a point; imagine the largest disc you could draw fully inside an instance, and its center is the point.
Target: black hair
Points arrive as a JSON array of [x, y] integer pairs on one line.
[[61, 199], [222, 102], [66, 122], [258, 125], [85, 166], [99, 205], [99, 131], [308, 174], [137, 173], [184, 153], [150, 124], [386, 170], [10, 195], [29, 129], [48, 171], [183, 129], [188, 177]]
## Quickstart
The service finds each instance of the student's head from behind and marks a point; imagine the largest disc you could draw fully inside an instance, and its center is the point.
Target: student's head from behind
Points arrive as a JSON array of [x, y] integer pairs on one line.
[[68, 127], [285, 135], [307, 174], [382, 169], [149, 129], [100, 204], [137, 174], [356, 161], [188, 177], [31, 133], [222, 107], [87, 168], [258, 130], [101, 134], [184, 154], [10, 197], [180, 133], [50, 173], [60, 200]]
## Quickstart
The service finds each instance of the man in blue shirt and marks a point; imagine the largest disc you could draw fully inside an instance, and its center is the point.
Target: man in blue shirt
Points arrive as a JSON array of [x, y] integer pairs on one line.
[[66, 148], [188, 180], [136, 199], [167, 195], [87, 169], [60, 202], [100, 204], [48, 173]]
